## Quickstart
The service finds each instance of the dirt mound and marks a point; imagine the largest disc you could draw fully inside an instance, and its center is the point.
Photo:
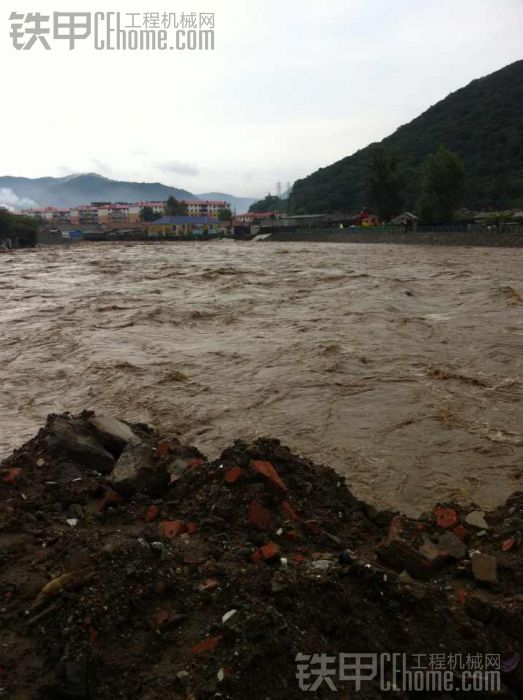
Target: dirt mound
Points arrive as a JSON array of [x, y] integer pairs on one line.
[[132, 567]]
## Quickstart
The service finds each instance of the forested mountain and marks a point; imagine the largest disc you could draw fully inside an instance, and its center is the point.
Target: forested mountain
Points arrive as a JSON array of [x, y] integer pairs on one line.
[[482, 123]]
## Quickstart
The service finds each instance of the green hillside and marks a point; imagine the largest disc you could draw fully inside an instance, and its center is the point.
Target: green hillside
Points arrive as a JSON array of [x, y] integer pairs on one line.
[[482, 123]]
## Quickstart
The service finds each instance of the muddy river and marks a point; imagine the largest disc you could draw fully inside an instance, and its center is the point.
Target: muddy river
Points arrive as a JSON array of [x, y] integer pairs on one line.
[[398, 365]]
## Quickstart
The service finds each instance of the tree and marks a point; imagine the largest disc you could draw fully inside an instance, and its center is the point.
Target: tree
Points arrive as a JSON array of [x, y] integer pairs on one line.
[[385, 183], [270, 203], [225, 214], [23, 228], [147, 214], [5, 223], [443, 187], [175, 208]]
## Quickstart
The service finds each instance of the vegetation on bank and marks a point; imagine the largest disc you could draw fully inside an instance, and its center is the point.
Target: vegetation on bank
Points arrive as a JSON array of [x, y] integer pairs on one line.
[[481, 124], [21, 230], [269, 203]]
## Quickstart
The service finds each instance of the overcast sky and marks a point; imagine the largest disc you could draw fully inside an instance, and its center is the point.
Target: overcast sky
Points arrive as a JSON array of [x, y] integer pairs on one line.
[[292, 85]]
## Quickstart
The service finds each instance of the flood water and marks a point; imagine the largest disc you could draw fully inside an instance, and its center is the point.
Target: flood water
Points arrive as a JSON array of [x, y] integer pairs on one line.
[[400, 366]]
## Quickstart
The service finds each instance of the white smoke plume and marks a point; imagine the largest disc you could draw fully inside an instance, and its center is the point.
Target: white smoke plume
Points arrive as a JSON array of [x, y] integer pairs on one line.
[[11, 201]]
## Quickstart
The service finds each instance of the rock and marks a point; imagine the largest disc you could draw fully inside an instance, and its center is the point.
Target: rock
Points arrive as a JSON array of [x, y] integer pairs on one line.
[[75, 510], [510, 525], [477, 519], [418, 563], [136, 471], [478, 609], [484, 567], [112, 433], [321, 564], [72, 438], [451, 544]]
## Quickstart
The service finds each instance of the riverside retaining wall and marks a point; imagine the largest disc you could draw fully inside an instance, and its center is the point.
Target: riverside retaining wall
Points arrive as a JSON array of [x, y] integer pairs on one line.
[[508, 239]]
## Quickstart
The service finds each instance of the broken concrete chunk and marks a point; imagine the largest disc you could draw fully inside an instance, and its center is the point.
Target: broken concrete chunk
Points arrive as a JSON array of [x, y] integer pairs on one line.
[[73, 439], [484, 567], [112, 433], [136, 471], [477, 519], [451, 544]]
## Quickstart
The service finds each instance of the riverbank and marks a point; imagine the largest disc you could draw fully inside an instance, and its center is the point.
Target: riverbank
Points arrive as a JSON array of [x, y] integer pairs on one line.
[[502, 239], [135, 567]]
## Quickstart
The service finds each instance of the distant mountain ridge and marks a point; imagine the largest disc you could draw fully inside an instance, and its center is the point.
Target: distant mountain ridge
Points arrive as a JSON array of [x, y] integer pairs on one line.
[[22, 192], [482, 123]]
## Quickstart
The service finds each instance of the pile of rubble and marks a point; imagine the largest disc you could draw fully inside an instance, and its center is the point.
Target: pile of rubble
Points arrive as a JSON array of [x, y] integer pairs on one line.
[[133, 567]]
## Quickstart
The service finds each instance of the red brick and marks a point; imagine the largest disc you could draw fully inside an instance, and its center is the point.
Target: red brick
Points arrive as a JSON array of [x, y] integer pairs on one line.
[[299, 559], [151, 514], [195, 462], [461, 595], [207, 645], [507, 545], [461, 532], [12, 475], [256, 557], [232, 475], [163, 449], [270, 551], [110, 500], [191, 528], [259, 516], [171, 528], [445, 517], [289, 511], [267, 470]]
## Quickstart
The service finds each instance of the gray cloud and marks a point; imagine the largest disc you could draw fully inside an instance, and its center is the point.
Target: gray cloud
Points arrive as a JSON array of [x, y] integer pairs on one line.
[[178, 168]]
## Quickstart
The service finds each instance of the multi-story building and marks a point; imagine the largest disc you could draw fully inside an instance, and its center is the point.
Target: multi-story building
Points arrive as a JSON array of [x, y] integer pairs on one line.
[[136, 207], [116, 214], [197, 207], [84, 215], [56, 215]]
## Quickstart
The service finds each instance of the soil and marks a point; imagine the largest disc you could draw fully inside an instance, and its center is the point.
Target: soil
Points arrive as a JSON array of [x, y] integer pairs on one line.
[[201, 579]]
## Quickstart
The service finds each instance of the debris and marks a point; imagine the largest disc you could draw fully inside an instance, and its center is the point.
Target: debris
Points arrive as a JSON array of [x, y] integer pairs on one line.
[[453, 545], [477, 519], [206, 645], [136, 471], [484, 567], [229, 615], [71, 438], [260, 517], [445, 517], [185, 591], [267, 470]]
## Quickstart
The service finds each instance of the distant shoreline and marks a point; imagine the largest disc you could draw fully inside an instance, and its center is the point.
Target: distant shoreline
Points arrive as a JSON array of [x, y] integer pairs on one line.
[[505, 239]]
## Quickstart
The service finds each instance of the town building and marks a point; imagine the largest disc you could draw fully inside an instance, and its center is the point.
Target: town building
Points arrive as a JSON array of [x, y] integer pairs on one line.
[[196, 207], [184, 226]]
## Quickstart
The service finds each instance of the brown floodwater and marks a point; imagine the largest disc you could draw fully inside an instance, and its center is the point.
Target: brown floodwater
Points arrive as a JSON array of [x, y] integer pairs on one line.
[[398, 365]]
